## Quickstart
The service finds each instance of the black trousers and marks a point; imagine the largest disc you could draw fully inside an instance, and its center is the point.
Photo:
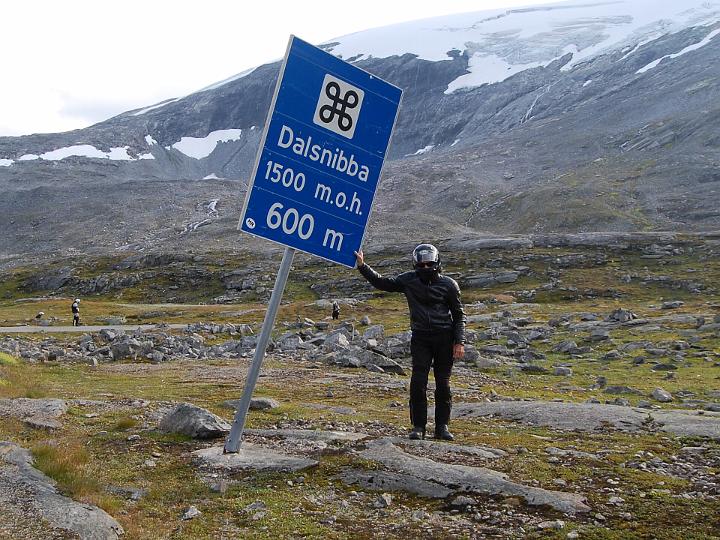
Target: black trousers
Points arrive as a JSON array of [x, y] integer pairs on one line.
[[431, 350]]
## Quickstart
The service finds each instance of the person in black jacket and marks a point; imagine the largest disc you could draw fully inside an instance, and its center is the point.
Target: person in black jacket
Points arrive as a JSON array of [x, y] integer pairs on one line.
[[76, 312], [437, 321]]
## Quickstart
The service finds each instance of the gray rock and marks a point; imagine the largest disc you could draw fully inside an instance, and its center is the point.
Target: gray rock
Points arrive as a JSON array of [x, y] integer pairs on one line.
[[484, 362], [592, 417], [27, 490], [674, 304], [263, 403], [36, 413], [620, 389], [250, 457], [122, 350], [463, 478], [336, 341], [567, 346], [438, 447], [387, 365], [599, 334], [191, 513], [376, 331], [289, 342], [664, 367], [194, 422], [562, 371], [663, 396], [385, 480], [533, 369], [621, 315], [310, 434]]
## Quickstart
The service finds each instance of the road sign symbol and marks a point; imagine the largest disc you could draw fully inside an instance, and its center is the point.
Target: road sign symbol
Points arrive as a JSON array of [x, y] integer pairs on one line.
[[338, 106]]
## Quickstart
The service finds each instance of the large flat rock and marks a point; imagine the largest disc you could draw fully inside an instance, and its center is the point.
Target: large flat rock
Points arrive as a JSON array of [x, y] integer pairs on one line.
[[309, 434], [596, 416], [37, 413], [426, 477], [485, 452], [251, 457], [27, 493]]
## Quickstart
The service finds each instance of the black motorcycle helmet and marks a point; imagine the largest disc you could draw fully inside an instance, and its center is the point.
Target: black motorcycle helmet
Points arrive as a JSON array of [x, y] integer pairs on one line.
[[426, 253]]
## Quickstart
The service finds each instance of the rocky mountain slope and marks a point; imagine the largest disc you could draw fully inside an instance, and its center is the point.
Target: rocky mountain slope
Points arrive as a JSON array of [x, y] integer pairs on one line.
[[565, 118]]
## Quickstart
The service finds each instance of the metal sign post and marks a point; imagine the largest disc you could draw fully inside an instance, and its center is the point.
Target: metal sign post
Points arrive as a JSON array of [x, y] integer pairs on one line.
[[233, 441], [316, 171]]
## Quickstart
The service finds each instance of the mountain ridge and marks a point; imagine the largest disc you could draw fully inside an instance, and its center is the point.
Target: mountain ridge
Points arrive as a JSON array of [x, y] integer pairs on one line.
[[606, 144]]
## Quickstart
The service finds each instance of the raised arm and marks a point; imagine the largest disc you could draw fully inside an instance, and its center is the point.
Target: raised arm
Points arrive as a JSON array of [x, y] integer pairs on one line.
[[375, 279]]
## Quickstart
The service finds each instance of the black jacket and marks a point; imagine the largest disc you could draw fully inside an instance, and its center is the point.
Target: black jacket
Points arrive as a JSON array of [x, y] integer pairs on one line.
[[433, 306]]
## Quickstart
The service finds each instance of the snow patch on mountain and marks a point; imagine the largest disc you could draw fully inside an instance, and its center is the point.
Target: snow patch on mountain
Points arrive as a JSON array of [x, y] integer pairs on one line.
[[79, 150], [693, 47], [424, 150], [150, 140], [202, 147], [501, 43], [82, 150]]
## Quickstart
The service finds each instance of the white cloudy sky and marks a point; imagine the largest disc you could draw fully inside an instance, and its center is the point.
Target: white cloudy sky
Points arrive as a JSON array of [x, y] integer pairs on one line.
[[68, 64]]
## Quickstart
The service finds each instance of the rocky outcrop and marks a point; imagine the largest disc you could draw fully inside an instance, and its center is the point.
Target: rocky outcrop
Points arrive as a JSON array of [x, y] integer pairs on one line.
[[426, 477], [595, 416], [37, 413], [26, 491]]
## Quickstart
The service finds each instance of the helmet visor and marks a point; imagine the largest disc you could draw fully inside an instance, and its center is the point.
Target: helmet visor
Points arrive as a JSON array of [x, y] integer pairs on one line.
[[425, 253], [425, 257]]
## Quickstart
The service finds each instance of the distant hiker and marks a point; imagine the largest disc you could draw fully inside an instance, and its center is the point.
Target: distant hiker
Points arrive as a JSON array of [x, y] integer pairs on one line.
[[76, 312], [335, 310], [437, 321]]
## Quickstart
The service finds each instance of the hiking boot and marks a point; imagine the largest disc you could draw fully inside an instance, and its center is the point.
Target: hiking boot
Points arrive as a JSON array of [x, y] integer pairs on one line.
[[417, 433], [441, 432]]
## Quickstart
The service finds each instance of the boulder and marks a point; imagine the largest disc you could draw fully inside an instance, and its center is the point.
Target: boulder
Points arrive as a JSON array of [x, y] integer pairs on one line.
[[195, 422], [262, 403], [568, 347], [336, 341], [599, 334], [376, 331], [663, 396], [621, 315]]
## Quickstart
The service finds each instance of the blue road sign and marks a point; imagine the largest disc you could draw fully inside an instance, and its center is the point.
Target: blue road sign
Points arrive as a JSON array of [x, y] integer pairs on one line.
[[321, 155]]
